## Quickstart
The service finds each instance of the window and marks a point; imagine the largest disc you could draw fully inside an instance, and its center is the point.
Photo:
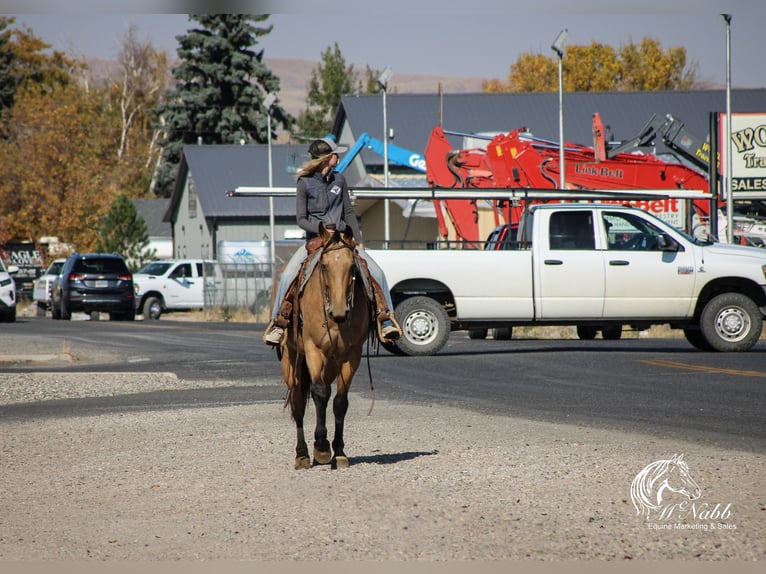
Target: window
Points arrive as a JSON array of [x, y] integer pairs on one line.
[[628, 232], [183, 270], [571, 230]]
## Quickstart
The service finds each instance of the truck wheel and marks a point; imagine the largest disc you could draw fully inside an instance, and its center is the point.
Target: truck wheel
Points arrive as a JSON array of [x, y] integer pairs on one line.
[[152, 309], [612, 332], [392, 348], [731, 322], [8, 315], [477, 333], [502, 333], [697, 339], [586, 332], [66, 314], [426, 326]]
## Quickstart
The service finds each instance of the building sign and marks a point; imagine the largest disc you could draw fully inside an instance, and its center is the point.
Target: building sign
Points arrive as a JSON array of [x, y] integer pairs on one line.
[[748, 154]]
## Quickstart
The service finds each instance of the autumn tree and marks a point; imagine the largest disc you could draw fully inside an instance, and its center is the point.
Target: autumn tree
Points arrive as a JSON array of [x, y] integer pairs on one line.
[[56, 164], [646, 67], [600, 67], [221, 85], [331, 80], [124, 231]]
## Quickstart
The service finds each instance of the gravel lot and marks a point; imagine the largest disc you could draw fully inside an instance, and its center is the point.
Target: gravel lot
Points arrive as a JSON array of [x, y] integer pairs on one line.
[[425, 483]]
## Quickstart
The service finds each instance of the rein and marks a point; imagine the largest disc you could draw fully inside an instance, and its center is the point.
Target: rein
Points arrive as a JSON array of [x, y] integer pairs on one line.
[[350, 300]]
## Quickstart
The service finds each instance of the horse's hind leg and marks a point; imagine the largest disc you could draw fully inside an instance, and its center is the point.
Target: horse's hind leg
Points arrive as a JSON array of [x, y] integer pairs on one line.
[[320, 392], [299, 390]]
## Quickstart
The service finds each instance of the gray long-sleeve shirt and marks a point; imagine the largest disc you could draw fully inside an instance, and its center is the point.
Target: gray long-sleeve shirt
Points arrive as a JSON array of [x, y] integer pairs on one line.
[[326, 201]]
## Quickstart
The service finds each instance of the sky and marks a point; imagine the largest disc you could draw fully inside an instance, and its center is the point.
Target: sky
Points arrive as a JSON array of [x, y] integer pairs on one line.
[[477, 38]]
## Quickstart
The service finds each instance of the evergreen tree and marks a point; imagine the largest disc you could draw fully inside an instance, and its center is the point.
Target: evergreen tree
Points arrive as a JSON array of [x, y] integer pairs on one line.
[[8, 79], [123, 231], [221, 84], [331, 80]]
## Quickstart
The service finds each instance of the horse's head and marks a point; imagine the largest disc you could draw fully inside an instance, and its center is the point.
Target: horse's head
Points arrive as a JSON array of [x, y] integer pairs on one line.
[[338, 272], [679, 480]]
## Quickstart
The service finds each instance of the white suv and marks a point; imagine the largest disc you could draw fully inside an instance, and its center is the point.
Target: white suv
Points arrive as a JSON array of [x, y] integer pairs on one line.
[[173, 285], [7, 293]]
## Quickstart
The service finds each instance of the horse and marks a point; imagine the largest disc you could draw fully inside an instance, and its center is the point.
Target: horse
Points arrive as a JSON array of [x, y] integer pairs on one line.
[[324, 342], [650, 484]]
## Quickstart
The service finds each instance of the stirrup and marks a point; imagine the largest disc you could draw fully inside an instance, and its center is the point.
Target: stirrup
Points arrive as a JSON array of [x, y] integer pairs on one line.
[[274, 335], [389, 331]]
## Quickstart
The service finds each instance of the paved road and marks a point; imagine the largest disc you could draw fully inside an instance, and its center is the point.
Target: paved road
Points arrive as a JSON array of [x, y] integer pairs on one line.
[[659, 387]]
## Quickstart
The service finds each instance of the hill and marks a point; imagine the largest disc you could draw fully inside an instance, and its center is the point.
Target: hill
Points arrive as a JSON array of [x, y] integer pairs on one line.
[[294, 76]]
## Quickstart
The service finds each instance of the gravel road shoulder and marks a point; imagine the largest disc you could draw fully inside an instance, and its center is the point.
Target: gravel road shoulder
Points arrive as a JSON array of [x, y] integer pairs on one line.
[[425, 484]]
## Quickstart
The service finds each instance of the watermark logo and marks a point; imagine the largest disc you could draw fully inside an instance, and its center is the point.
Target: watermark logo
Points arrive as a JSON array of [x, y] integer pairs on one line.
[[668, 498]]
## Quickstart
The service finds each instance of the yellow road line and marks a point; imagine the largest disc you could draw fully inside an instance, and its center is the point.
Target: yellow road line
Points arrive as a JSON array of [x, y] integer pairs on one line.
[[676, 365]]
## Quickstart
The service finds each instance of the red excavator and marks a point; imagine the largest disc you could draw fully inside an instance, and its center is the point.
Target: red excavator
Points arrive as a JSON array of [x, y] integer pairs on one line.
[[519, 160]]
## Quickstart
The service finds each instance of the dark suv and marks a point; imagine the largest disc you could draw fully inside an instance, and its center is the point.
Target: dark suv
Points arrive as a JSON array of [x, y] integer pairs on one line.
[[91, 282]]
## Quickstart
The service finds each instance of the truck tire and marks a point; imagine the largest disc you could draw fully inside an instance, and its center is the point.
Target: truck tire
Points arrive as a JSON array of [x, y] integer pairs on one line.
[[611, 332], [731, 322], [152, 309], [697, 339], [425, 325], [55, 311], [586, 332], [477, 333], [502, 333]]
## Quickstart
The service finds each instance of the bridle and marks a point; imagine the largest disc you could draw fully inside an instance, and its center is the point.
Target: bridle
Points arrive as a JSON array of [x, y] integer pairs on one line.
[[329, 247]]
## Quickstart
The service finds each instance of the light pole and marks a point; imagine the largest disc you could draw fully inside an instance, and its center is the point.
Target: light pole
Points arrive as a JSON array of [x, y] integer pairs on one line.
[[268, 102], [383, 80], [558, 47], [727, 180]]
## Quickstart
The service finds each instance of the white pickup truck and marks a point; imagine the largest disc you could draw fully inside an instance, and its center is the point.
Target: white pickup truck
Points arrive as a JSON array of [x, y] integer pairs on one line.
[[596, 266], [176, 285]]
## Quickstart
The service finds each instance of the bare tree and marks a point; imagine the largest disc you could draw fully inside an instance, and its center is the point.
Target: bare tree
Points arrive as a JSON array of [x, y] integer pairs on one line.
[[143, 81]]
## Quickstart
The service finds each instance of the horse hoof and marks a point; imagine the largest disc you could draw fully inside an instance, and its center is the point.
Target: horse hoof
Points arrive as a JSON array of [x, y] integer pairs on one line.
[[322, 457], [302, 462], [341, 462]]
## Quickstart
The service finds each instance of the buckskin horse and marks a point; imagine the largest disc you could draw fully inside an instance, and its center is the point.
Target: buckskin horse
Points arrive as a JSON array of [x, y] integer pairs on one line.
[[324, 343]]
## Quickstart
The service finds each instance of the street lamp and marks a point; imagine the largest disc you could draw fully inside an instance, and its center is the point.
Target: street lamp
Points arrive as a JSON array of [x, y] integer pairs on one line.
[[558, 47], [268, 102], [383, 80], [727, 180]]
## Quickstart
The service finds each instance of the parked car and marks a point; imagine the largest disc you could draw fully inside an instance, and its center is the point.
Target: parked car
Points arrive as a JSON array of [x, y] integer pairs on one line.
[[7, 293], [94, 282], [177, 285], [41, 292]]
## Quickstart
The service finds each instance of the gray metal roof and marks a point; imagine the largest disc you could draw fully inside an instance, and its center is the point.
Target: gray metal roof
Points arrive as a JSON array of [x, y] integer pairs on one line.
[[217, 169], [413, 116], [152, 210]]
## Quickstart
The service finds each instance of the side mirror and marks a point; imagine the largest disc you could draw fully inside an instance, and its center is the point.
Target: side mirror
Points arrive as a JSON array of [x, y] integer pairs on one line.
[[667, 243]]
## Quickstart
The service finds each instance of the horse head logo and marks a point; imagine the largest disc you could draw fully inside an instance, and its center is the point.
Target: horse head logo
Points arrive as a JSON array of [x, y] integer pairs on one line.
[[651, 484]]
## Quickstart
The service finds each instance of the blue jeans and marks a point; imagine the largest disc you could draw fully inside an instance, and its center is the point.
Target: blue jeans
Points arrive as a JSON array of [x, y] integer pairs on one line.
[[294, 265]]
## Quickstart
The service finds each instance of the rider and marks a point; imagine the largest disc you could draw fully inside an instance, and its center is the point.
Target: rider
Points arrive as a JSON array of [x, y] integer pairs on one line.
[[322, 199]]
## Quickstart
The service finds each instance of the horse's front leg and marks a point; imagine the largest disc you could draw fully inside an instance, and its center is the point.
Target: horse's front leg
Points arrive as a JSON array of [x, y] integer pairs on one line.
[[320, 392], [340, 408]]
